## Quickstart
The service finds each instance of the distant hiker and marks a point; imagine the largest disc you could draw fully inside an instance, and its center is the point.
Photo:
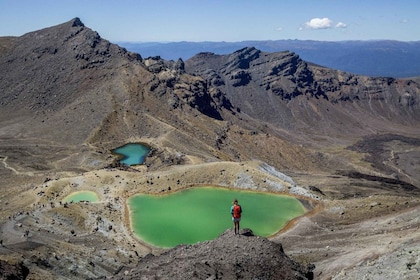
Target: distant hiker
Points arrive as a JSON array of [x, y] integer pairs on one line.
[[236, 211]]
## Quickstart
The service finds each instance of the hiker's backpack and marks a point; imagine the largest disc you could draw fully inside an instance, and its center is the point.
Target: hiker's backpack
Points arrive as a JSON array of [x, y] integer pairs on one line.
[[237, 210]]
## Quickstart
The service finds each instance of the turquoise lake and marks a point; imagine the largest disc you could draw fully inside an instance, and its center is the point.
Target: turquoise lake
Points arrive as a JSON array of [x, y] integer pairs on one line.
[[132, 153], [202, 213]]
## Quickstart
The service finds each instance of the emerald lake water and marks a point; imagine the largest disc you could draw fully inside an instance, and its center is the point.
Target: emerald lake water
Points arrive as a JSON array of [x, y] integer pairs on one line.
[[132, 153], [82, 196], [203, 213]]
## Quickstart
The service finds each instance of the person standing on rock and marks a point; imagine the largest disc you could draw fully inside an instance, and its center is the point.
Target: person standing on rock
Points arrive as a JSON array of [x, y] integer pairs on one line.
[[236, 211]]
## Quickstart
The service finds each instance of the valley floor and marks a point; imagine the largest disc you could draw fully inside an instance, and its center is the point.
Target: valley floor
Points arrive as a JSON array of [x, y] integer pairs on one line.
[[356, 234]]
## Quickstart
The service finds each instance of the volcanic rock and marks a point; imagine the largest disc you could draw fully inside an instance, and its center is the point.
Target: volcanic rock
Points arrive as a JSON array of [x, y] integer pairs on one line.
[[230, 256], [13, 271]]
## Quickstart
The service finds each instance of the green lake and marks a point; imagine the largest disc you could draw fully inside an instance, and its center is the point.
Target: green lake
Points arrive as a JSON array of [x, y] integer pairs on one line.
[[132, 153], [203, 213], [82, 196]]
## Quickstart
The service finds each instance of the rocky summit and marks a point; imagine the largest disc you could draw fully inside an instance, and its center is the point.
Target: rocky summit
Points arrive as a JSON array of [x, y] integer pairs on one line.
[[347, 146], [230, 256]]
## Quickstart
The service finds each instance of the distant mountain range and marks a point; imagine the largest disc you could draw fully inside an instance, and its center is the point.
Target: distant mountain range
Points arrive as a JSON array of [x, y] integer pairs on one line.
[[371, 58]]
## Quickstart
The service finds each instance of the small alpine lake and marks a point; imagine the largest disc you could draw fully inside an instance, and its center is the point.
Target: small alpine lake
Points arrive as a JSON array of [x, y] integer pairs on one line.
[[132, 153], [82, 196], [203, 213]]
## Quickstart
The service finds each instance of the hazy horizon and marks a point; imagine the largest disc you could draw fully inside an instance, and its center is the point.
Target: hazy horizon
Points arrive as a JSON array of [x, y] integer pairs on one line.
[[309, 40]]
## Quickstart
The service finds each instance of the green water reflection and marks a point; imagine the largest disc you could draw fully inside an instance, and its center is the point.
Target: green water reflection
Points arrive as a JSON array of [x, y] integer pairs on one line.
[[133, 153], [82, 196], [199, 214]]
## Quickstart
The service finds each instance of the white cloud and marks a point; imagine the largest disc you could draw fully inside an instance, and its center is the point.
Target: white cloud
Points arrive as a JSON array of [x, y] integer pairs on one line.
[[279, 28], [319, 23], [341, 25], [404, 21]]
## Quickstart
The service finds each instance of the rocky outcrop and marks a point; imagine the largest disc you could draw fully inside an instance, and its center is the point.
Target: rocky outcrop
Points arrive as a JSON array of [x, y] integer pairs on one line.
[[282, 74], [244, 78], [230, 256], [181, 89], [13, 271]]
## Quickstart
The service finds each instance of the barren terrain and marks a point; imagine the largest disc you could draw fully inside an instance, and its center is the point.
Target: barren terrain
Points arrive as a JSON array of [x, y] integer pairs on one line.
[[346, 145]]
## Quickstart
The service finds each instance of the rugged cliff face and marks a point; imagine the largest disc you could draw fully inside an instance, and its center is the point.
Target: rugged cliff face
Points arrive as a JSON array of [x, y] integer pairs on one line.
[[281, 89], [346, 145]]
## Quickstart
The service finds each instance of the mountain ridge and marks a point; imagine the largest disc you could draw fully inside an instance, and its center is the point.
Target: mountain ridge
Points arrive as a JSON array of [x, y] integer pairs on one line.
[[386, 58], [249, 76]]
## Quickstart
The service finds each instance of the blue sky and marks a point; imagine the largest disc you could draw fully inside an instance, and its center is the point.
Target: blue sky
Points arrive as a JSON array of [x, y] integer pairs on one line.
[[220, 20]]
